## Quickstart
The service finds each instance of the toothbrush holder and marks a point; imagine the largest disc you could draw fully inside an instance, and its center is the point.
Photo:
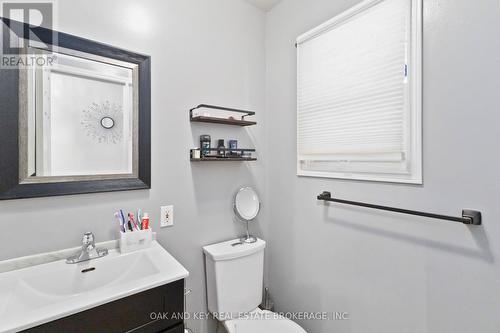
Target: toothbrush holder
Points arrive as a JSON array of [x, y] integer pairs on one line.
[[135, 240]]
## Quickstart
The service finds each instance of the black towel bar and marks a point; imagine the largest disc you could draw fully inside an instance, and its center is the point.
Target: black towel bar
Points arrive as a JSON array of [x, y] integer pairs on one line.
[[470, 217]]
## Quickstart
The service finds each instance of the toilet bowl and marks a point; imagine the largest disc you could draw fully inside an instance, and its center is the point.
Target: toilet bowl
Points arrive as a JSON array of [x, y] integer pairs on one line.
[[234, 272]]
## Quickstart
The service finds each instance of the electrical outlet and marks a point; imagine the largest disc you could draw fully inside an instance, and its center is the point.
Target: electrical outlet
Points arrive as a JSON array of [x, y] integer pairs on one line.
[[167, 216]]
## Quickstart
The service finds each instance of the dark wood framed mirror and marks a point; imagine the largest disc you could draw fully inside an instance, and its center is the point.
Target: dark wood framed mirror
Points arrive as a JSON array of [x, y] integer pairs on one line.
[[75, 115]]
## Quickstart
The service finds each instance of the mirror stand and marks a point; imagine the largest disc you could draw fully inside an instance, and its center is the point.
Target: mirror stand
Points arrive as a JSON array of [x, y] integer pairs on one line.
[[248, 238], [246, 206]]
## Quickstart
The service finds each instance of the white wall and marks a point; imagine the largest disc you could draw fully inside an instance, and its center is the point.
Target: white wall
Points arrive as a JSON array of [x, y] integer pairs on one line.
[[394, 273], [202, 52]]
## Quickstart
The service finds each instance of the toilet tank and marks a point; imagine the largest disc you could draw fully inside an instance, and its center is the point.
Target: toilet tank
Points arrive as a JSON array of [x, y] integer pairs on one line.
[[234, 276]]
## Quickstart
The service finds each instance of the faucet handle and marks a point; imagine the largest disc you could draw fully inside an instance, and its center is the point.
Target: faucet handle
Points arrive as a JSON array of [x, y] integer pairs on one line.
[[88, 238]]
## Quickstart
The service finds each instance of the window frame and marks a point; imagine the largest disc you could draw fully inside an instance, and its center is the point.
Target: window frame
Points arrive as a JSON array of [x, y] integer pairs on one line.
[[413, 104]]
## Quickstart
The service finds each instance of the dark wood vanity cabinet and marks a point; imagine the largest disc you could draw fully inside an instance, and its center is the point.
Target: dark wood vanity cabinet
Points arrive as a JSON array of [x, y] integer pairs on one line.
[[157, 310]]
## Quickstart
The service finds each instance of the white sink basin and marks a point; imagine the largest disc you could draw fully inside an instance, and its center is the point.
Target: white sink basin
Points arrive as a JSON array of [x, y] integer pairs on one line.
[[69, 280], [39, 294]]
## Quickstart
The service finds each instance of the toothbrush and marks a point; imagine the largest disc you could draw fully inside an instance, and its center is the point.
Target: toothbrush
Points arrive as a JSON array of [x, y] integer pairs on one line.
[[131, 217], [131, 222], [137, 225], [123, 219], [124, 226], [130, 225], [139, 217], [117, 215]]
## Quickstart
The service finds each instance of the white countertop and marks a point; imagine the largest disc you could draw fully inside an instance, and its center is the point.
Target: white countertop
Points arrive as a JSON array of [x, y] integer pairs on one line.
[[39, 294]]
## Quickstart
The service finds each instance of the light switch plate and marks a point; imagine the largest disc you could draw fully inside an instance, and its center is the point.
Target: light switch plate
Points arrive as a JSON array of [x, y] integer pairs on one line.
[[167, 216]]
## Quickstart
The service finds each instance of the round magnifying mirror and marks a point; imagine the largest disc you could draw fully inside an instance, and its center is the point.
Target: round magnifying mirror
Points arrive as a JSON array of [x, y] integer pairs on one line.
[[246, 206], [107, 122]]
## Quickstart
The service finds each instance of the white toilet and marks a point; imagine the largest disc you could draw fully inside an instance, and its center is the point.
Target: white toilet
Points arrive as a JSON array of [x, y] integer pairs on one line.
[[234, 287]]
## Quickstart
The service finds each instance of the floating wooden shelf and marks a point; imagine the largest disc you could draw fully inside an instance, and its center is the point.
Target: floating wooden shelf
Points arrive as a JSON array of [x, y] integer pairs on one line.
[[214, 120], [228, 149], [218, 120], [225, 159]]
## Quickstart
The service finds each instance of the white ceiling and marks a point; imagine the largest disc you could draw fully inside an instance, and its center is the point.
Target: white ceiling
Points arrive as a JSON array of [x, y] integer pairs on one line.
[[264, 4]]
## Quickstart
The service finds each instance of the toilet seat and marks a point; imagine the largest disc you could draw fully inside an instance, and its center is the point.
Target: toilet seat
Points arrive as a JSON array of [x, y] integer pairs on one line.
[[262, 322]]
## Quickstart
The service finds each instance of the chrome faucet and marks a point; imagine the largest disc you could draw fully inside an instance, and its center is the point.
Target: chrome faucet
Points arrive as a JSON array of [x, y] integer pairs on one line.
[[88, 252]]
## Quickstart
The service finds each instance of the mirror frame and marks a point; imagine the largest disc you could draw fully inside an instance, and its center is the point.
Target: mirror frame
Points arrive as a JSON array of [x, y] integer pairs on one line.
[[11, 183]]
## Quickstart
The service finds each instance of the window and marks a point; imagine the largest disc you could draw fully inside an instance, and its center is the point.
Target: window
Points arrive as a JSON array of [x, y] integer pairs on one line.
[[359, 94]]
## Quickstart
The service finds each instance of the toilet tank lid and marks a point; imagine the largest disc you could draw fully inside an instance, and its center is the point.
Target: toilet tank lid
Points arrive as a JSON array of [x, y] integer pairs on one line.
[[233, 249]]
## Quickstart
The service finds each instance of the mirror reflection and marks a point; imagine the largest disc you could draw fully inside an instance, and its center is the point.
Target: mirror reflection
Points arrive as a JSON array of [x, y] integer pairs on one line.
[[107, 122], [81, 118]]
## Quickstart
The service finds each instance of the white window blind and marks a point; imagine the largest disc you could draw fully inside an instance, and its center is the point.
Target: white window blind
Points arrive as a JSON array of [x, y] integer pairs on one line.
[[358, 109]]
